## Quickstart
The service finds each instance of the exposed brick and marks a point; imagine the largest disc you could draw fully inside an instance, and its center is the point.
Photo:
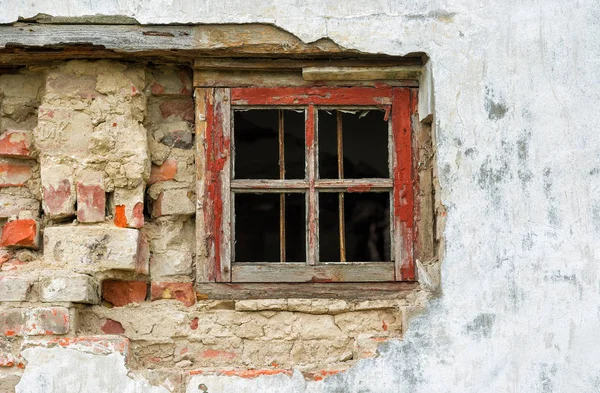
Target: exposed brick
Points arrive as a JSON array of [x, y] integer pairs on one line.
[[20, 233], [164, 172], [14, 173], [178, 109], [91, 197], [143, 255], [89, 249], [174, 202], [35, 321], [14, 143], [14, 288], [182, 291], [129, 207], [99, 345], [58, 190], [171, 81], [76, 288], [12, 205], [8, 357], [120, 293], [112, 327], [71, 85]]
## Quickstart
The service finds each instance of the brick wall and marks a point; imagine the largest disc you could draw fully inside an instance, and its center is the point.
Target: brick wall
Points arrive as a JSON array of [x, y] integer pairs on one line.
[[97, 206]]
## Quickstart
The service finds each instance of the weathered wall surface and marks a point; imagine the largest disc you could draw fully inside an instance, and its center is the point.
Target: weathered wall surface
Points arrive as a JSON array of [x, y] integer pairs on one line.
[[516, 119]]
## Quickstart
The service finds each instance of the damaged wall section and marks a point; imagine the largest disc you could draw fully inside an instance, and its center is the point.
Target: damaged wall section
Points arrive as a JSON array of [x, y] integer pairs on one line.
[[97, 205]]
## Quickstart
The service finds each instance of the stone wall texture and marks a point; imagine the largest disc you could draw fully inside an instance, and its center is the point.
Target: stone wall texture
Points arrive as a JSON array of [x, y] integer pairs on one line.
[[104, 150]]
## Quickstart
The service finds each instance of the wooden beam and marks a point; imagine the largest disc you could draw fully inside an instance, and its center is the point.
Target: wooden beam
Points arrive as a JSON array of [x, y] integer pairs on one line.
[[263, 64], [367, 96], [320, 273], [361, 73]]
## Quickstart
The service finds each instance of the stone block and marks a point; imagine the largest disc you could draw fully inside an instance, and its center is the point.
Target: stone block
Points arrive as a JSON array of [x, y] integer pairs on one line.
[[21, 233], [176, 202], [164, 172], [365, 345], [14, 173], [16, 144], [180, 109], [14, 288], [179, 135], [129, 207], [12, 205], [91, 197], [34, 321], [173, 262], [63, 132], [88, 249], [171, 81], [182, 291], [69, 85], [76, 288], [121, 293], [98, 345], [58, 190]]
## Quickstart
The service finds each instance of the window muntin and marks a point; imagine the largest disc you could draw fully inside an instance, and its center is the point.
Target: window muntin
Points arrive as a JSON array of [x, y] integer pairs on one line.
[[393, 105]]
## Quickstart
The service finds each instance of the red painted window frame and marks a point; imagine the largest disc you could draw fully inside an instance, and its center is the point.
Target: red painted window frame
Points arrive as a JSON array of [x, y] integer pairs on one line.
[[399, 102]]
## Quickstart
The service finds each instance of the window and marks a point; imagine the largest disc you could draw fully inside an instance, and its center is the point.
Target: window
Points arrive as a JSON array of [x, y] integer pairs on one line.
[[307, 184]]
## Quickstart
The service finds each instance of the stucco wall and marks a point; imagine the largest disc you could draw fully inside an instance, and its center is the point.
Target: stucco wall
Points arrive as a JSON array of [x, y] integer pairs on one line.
[[516, 111]]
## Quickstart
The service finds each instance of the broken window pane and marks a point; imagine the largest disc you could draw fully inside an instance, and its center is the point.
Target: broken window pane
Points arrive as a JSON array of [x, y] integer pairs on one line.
[[367, 219], [256, 140], [367, 227], [364, 141], [257, 227]]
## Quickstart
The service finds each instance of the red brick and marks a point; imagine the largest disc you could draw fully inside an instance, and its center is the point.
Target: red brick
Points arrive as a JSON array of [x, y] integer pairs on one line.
[[20, 233], [34, 322], [129, 207], [14, 173], [15, 144], [164, 172], [100, 345], [178, 109], [91, 197], [112, 327], [120, 293], [182, 291]]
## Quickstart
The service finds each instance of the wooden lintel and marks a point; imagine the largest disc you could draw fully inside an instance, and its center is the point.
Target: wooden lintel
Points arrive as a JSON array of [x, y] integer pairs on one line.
[[361, 73], [263, 64]]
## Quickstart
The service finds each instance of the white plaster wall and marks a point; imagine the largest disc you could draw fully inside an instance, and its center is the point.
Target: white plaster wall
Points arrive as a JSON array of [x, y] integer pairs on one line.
[[517, 114]]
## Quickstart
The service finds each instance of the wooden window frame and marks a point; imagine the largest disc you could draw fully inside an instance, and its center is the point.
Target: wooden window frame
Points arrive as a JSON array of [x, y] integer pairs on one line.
[[215, 186]]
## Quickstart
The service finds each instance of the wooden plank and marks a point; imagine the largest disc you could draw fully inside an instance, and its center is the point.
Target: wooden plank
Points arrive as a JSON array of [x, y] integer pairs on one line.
[[323, 185], [203, 263], [312, 198], [361, 73], [354, 185], [403, 196], [350, 291], [262, 64], [323, 272], [278, 78], [220, 38], [216, 200], [275, 185], [311, 96]]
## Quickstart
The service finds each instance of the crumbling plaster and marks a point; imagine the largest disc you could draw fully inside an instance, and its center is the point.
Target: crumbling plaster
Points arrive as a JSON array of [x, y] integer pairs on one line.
[[516, 120]]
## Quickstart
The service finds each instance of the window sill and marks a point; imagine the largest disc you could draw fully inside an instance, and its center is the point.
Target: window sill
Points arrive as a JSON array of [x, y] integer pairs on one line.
[[350, 291]]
